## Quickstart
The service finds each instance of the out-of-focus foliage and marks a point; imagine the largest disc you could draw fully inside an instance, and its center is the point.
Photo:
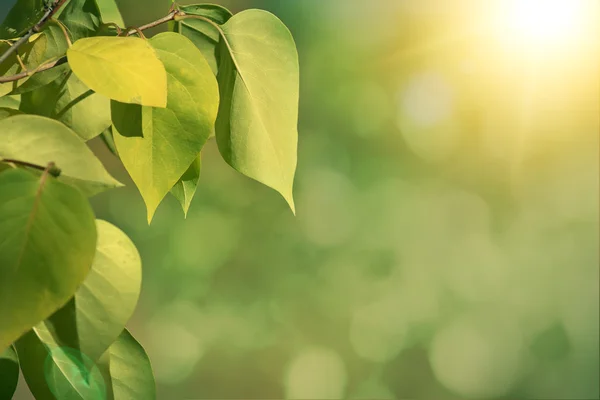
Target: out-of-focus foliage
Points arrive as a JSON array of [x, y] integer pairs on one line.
[[446, 241]]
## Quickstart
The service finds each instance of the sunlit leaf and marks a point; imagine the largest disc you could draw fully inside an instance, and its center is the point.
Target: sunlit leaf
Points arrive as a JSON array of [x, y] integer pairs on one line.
[[204, 35], [68, 100], [185, 188], [157, 145], [47, 245], [259, 85], [9, 373], [96, 316], [125, 69], [110, 12], [40, 140]]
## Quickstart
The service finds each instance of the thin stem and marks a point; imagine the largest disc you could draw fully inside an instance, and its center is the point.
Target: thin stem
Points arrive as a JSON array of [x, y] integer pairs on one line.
[[62, 60], [50, 168], [34, 29]]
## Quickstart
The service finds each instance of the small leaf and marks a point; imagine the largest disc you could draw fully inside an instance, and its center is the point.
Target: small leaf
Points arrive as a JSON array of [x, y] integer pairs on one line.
[[81, 17], [204, 35], [157, 145], [96, 316], [258, 77], [68, 100], [125, 69], [47, 245], [129, 369], [22, 16], [10, 102], [8, 112], [185, 188], [40, 140], [110, 12], [9, 372]]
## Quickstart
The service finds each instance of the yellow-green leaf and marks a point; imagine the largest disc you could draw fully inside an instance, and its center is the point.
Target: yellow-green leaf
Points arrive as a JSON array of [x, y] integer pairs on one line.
[[125, 69]]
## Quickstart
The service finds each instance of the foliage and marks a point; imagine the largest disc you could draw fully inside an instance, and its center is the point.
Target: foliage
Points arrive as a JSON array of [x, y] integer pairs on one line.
[[70, 72]]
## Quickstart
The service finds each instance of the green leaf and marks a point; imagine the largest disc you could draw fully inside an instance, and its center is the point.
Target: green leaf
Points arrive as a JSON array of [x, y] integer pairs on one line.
[[22, 16], [125, 69], [8, 112], [10, 102], [204, 35], [185, 188], [81, 17], [96, 316], [110, 12], [157, 145], [47, 245], [47, 46], [258, 77], [68, 100], [9, 373], [129, 370], [40, 140]]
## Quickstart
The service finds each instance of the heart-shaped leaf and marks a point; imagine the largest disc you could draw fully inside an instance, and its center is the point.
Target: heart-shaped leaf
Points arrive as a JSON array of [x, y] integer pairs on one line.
[[9, 373], [96, 316], [204, 35], [185, 188], [258, 77], [40, 140], [125, 69], [157, 145], [68, 100], [47, 245]]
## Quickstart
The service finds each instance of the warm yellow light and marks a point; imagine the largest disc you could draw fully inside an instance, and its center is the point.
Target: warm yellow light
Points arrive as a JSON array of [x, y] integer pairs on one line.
[[542, 22]]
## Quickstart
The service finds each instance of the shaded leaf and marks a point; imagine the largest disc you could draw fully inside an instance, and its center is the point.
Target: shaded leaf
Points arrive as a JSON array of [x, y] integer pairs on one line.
[[204, 35], [94, 319], [125, 69], [129, 369], [81, 17], [157, 145], [10, 102], [110, 12], [185, 188], [40, 140], [258, 77], [68, 100], [22, 16], [8, 112], [9, 373], [47, 245]]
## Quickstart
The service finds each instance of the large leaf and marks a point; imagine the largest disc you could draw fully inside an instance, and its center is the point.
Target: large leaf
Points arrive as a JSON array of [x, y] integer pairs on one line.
[[40, 140], [185, 188], [68, 100], [9, 373], [22, 16], [96, 316], [125, 69], [45, 47], [81, 17], [47, 245], [128, 369], [204, 35], [259, 82], [157, 145]]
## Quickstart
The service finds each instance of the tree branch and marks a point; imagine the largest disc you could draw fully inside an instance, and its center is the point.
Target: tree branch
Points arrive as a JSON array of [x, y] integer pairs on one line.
[[34, 29], [62, 60], [50, 168]]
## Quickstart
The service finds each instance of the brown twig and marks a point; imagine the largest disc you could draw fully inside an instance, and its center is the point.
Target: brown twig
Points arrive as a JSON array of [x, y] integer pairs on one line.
[[34, 29]]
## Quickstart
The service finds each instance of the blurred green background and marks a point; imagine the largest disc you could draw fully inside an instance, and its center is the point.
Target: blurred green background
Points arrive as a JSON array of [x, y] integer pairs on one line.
[[447, 238]]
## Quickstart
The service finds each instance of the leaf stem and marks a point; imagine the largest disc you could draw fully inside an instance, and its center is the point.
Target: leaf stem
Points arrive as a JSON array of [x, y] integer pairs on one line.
[[50, 168], [34, 29]]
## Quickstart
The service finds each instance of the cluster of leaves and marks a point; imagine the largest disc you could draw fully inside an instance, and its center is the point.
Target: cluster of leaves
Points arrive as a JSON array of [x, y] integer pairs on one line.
[[68, 282]]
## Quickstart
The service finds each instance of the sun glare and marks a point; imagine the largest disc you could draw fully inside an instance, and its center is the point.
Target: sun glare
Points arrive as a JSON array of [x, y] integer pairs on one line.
[[542, 23]]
